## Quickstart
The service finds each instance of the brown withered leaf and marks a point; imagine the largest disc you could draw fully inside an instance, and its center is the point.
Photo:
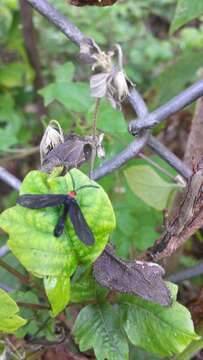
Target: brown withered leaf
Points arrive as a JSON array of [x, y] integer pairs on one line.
[[186, 221], [92, 2], [75, 151], [132, 277], [113, 85]]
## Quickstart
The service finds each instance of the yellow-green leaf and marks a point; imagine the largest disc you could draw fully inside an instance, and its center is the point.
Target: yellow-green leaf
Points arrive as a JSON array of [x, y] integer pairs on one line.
[[9, 321]]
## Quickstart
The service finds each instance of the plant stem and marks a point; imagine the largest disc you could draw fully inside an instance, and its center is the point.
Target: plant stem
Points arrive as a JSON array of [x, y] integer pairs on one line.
[[94, 131], [23, 279], [33, 306], [157, 166]]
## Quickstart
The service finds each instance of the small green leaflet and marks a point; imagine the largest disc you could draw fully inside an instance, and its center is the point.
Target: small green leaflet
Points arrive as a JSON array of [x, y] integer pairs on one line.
[[64, 72], [164, 331], [9, 322], [186, 11], [149, 186], [74, 96], [97, 326], [58, 292]]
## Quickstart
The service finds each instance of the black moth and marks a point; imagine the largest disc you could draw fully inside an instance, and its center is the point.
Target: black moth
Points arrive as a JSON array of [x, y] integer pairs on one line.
[[70, 208]]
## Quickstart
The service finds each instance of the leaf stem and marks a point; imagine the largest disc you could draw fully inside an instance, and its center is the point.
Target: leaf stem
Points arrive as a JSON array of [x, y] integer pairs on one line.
[[160, 168], [94, 130]]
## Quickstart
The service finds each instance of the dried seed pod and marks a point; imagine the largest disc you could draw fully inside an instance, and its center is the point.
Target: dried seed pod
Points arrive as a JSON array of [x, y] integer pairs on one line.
[[121, 86], [75, 151], [111, 82]]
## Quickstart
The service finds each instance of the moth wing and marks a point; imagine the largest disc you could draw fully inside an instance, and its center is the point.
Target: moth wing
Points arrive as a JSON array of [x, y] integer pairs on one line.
[[80, 225], [59, 228], [40, 201]]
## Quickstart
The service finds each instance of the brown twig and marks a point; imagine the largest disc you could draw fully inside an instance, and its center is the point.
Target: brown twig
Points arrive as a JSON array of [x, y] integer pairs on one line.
[[187, 220], [194, 146], [23, 279], [30, 40], [33, 306], [94, 133], [19, 154]]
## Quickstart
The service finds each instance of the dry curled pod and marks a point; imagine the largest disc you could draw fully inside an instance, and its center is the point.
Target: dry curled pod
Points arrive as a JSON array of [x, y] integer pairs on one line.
[[75, 151], [111, 82], [92, 2]]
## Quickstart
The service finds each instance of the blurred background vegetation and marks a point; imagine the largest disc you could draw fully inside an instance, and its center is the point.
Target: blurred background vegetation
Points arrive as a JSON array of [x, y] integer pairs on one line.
[[45, 63], [41, 79]]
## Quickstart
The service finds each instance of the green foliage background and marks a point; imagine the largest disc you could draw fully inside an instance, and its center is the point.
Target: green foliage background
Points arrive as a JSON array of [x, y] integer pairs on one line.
[[160, 61]]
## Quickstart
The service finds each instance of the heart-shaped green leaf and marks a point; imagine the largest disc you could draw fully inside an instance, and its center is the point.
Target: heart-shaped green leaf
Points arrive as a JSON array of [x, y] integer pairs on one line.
[[31, 231]]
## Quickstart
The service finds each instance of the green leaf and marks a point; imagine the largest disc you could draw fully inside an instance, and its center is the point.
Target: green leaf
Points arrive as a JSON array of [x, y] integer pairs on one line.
[[64, 72], [97, 327], [137, 353], [13, 74], [176, 76], [85, 288], [10, 322], [149, 186], [74, 96], [186, 11], [109, 119], [34, 317], [194, 347], [11, 122], [30, 231], [143, 221], [161, 330], [58, 292]]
